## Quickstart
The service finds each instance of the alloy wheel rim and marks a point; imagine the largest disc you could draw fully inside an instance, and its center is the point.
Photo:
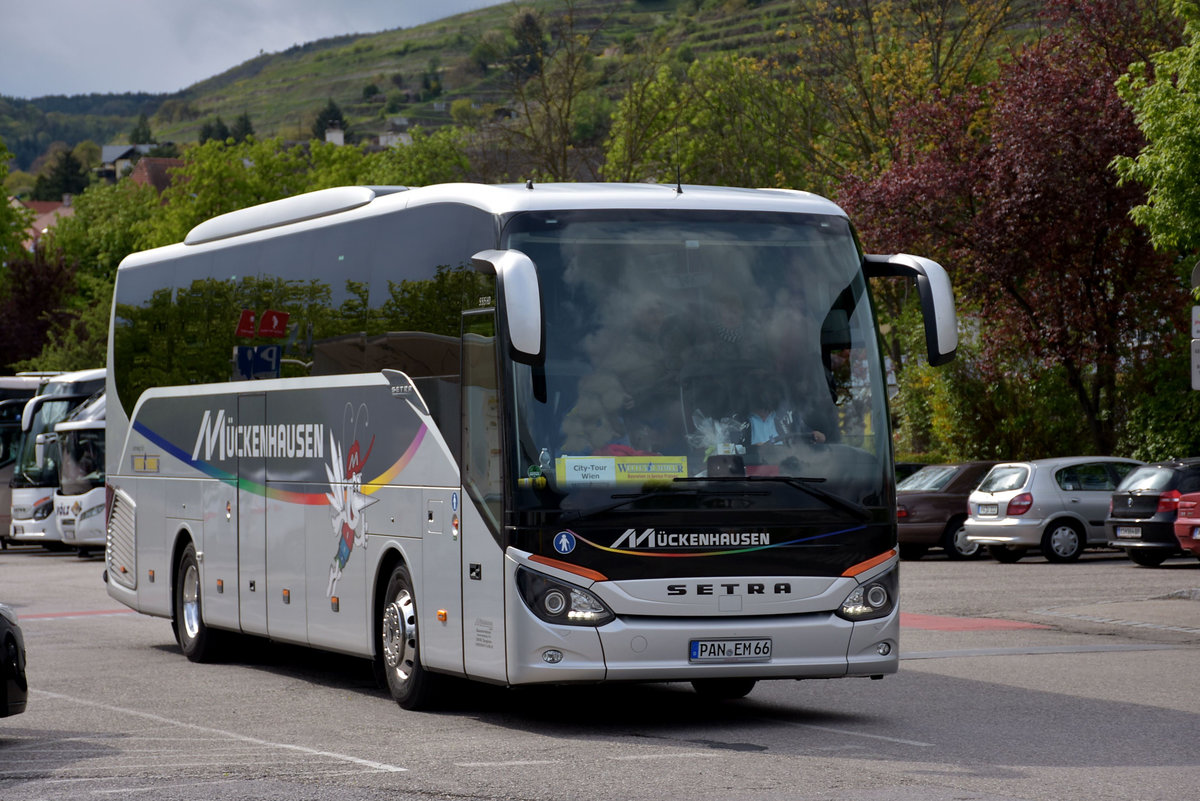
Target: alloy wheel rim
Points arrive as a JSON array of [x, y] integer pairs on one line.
[[191, 602], [400, 635]]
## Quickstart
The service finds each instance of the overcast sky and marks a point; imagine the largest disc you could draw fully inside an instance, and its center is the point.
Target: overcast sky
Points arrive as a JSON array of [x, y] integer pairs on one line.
[[70, 47]]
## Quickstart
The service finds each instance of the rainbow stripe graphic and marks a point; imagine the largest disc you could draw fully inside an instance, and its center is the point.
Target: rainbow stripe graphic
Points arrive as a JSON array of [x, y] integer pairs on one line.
[[276, 493]]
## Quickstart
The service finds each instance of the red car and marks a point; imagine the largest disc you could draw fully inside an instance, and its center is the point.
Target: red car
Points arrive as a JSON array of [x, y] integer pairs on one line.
[[931, 508], [1187, 523]]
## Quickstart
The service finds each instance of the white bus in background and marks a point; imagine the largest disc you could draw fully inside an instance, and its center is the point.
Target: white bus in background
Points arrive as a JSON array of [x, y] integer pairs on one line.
[[79, 499], [33, 483], [15, 390], [515, 434]]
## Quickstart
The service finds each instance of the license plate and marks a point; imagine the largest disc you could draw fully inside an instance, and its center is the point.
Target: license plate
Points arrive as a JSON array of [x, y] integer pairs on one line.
[[992, 509], [1129, 532], [1196, 533], [753, 650]]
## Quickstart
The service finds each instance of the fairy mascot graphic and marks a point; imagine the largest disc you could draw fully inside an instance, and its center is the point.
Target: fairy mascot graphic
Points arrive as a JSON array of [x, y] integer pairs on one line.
[[346, 499]]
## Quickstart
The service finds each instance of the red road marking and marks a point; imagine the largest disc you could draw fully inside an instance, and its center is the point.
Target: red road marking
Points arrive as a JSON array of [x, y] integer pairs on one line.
[[909, 620], [45, 615]]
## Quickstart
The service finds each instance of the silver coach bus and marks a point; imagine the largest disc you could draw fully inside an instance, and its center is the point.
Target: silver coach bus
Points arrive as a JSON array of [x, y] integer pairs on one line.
[[519, 434]]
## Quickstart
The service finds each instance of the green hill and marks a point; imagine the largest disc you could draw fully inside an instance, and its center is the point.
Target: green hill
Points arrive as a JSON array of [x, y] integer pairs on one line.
[[411, 73]]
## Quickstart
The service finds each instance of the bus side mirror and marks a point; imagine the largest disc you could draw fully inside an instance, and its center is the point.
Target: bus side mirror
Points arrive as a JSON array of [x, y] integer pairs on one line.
[[520, 297], [937, 299], [39, 449]]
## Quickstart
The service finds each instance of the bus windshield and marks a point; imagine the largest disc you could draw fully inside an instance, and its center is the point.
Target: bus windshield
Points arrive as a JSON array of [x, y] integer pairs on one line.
[[82, 453], [28, 473], [689, 348]]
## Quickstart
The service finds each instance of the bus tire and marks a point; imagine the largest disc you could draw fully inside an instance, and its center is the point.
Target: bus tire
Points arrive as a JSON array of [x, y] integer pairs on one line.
[[723, 689], [399, 656], [198, 642]]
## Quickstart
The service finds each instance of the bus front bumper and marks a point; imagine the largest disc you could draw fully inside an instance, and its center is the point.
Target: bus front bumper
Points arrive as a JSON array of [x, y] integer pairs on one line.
[[807, 646]]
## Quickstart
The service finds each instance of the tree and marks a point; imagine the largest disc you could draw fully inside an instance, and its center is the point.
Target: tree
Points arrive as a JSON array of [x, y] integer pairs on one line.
[[32, 287], [437, 157], [108, 224], [242, 128], [14, 218], [732, 121], [1165, 97], [77, 335], [1010, 187], [88, 153], [548, 73], [66, 176], [867, 60], [141, 133], [329, 117], [213, 129], [219, 177]]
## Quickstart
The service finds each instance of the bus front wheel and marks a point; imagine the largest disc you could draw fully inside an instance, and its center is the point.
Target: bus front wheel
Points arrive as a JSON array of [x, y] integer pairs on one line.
[[409, 683], [196, 640]]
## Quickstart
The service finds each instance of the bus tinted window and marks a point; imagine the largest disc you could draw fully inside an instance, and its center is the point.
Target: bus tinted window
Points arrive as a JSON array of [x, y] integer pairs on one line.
[[342, 298]]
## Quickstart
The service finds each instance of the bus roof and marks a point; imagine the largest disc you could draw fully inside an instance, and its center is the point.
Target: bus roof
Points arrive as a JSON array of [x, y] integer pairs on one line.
[[64, 382], [328, 206]]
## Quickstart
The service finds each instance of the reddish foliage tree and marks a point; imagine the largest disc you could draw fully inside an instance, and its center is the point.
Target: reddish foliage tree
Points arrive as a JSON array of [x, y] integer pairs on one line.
[[35, 286], [1011, 187]]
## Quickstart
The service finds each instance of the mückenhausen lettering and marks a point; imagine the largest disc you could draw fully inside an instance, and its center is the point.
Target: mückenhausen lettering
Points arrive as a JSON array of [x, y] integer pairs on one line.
[[649, 538], [220, 439]]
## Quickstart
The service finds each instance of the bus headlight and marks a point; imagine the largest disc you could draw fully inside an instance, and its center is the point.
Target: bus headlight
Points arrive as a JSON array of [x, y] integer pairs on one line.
[[43, 510], [872, 600], [556, 601], [92, 512]]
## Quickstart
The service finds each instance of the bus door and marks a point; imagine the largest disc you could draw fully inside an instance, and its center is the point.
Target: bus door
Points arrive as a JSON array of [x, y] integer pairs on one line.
[[441, 571], [482, 569], [252, 521]]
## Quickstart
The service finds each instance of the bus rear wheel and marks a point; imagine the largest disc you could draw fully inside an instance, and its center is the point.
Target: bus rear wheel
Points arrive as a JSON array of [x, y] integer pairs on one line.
[[723, 689], [409, 683], [196, 640]]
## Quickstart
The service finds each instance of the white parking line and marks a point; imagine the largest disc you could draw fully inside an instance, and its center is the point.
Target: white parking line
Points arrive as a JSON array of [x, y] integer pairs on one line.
[[849, 733], [367, 763], [515, 763]]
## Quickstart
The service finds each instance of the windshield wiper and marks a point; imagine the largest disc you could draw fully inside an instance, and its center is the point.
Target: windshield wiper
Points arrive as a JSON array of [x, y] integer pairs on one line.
[[803, 483]]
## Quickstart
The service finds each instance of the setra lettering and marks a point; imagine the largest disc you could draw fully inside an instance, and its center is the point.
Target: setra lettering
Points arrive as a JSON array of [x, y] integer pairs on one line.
[[731, 588]]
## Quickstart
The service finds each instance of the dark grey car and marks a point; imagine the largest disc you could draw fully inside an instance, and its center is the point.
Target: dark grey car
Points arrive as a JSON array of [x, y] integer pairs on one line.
[[14, 689], [1141, 516], [931, 509]]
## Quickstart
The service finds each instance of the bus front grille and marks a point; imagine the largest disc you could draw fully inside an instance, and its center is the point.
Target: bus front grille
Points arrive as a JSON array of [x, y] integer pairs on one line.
[[121, 552]]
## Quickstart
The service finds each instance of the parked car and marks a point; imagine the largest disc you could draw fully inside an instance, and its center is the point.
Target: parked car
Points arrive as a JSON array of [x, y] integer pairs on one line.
[[1187, 524], [1058, 505], [1143, 510], [14, 689], [931, 509]]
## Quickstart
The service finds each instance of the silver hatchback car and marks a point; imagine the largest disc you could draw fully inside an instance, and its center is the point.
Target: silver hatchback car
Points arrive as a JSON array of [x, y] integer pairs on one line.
[[1057, 505]]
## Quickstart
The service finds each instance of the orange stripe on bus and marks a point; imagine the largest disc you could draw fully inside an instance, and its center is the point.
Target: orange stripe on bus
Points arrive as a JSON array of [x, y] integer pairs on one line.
[[862, 567], [567, 566]]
